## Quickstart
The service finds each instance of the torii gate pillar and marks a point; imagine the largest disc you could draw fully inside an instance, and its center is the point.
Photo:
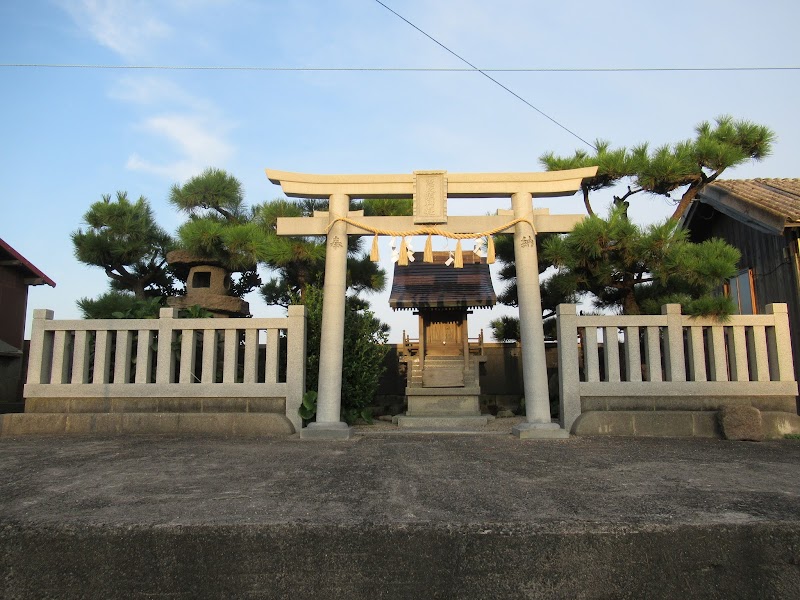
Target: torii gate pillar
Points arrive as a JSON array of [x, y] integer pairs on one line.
[[331, 347], [531, 329], [430, 190]]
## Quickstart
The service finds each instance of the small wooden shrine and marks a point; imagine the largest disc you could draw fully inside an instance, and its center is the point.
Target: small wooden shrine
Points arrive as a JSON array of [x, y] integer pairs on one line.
[[443, 375]]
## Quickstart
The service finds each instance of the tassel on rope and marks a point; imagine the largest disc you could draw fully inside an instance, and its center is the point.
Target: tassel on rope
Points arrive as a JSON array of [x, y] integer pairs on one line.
[[459, 256], [403, 260], [428, 255], [489, 250], [374, 254]]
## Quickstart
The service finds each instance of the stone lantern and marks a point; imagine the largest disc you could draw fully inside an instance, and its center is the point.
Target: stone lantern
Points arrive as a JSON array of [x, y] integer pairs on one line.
[[208, 285]]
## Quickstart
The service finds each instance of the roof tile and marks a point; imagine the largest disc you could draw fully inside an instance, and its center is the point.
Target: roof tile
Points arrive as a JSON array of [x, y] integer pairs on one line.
[[777, 196], [437, 285]]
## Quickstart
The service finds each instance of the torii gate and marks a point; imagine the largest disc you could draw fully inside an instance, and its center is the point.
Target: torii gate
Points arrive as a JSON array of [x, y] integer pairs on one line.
[[430, 191]]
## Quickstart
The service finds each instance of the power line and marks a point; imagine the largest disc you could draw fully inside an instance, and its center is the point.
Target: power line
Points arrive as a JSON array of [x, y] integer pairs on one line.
[[489, 77], [391, 69]]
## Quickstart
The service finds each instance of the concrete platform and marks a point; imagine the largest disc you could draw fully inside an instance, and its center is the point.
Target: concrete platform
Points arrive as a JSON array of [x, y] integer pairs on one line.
[[398, 516]]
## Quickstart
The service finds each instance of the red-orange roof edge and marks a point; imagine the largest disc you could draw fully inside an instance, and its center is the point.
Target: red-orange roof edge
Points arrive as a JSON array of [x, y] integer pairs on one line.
[[25, 263]]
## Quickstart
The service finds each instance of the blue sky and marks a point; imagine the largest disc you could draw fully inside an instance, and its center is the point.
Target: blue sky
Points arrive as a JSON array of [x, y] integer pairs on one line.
[[71, 135]]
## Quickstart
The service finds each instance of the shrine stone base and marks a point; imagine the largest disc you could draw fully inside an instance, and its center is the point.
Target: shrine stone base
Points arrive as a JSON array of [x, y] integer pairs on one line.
[[326, 431], [443, 401], [443, 408], [540, 431]]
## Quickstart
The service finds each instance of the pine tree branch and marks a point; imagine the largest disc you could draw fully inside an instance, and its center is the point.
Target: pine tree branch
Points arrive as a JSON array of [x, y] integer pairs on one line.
[[691, 193], [124, 276], [586, 202], [227, 214], [630, 192]]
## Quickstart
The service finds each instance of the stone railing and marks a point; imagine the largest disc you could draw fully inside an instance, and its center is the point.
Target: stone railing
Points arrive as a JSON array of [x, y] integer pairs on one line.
[[673, 362], [164, 364]]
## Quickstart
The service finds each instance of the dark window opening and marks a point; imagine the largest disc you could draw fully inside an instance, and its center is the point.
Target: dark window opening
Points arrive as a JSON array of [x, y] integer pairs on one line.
[[741, 289], [201, 279]]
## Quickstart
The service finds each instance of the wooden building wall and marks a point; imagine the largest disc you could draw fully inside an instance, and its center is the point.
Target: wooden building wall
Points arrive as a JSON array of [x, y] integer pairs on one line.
[[773, 259], [13, 303]]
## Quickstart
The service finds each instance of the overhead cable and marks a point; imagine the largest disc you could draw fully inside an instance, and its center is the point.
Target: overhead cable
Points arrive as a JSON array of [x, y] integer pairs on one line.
[[489, 77], [391, 69]]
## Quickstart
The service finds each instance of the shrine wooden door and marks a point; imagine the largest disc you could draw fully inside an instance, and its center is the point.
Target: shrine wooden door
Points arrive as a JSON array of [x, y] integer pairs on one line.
[[443, 335]]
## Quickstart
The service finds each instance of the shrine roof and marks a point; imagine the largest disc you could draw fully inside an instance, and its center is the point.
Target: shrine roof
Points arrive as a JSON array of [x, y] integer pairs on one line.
[[437, 285]]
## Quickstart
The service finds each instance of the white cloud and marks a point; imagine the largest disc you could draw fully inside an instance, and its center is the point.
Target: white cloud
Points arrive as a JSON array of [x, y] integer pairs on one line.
[[202, 144], [128, 27], [157, 91], [187, 126]]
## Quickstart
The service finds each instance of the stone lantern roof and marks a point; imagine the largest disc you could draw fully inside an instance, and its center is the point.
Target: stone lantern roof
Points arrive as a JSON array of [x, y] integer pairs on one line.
[[208, 285]]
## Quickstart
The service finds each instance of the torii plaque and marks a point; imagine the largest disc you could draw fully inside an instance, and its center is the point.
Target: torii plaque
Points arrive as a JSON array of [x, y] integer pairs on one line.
[[430, 191]]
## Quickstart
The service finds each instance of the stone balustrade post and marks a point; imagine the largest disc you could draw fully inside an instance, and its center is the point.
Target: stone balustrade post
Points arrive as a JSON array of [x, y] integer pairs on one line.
[[568, 365], [779, 343], [41, 354], [165, 366], [674, 358], [296, 364]]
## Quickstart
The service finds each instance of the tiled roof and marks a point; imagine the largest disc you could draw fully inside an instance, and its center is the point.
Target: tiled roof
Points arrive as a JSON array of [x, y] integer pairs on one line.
[[780, 197], [437, 285]]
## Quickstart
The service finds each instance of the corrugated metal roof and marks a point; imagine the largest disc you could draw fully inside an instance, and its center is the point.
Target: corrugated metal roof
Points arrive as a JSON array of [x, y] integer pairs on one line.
[[780, 197], [437, 285]]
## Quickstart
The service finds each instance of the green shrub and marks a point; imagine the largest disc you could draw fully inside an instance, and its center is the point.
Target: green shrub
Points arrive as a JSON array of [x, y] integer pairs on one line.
[[365, 338]]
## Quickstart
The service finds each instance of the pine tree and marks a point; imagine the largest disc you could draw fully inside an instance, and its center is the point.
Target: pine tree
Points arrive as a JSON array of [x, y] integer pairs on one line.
[[635, 270], [220, 225], [506, 328], [300, 261], [124, 240], [686, 167]]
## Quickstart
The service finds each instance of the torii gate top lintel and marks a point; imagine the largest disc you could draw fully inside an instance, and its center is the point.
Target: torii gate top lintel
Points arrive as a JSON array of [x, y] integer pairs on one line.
[[467, 185]]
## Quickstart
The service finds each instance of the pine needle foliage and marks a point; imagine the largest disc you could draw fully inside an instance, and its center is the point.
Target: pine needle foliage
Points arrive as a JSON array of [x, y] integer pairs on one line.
[[213, 191], [506, 328], [124, 240], [220, 225], [299, 261], [634, 270], [685, 167], [120, 305]]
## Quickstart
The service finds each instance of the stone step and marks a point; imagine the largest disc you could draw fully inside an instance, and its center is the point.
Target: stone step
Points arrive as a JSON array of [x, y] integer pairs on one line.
[[443, 423]]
